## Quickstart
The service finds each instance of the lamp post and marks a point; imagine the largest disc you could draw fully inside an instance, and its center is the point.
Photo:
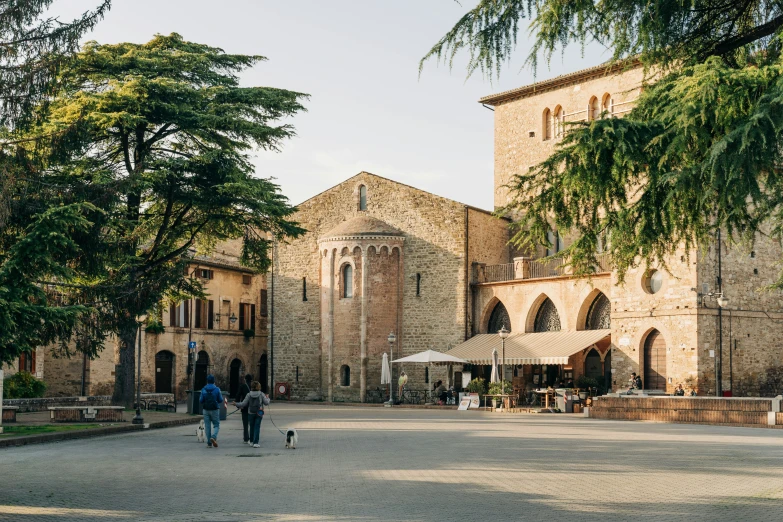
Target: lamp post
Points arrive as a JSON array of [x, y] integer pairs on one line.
[[138, 419], [392, 338], [723, 302], [503, 333]]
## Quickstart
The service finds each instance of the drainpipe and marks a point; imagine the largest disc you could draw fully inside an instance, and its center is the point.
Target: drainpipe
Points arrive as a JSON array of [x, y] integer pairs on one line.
[[272, 321], [467, 271]]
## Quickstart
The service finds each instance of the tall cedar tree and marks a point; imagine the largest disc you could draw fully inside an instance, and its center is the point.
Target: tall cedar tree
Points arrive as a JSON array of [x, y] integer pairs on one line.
[[701, 150], [40, 236], [156, 137]]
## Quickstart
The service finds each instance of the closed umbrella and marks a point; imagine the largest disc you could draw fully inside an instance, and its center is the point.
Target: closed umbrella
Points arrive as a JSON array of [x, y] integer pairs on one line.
[[385, 373], [494, 377]]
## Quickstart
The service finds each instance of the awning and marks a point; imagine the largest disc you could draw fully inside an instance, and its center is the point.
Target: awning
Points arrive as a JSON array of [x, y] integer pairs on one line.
[[529, 348]]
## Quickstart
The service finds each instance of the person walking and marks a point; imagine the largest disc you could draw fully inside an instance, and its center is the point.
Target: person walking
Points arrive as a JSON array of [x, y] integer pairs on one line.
[[244, 389], [254, 402], [211, 399]]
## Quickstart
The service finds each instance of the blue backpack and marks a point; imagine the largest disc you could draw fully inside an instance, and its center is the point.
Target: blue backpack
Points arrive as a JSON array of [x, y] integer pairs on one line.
[[210, 400]]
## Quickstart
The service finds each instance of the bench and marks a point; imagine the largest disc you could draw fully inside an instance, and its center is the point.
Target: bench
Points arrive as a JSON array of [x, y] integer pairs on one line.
[[86, 413], [9, 413]]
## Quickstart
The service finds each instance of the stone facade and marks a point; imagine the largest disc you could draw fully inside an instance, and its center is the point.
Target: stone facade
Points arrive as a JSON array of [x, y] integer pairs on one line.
[[409, 253], [681, 311], [223, 348]]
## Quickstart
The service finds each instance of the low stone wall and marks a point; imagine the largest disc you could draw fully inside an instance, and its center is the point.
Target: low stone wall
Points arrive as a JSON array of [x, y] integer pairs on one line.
[[41, 404], [695, 410], [86, 413]]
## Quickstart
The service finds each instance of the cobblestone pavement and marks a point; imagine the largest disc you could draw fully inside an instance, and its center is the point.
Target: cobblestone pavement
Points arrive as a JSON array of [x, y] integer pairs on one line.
[[401, 464]]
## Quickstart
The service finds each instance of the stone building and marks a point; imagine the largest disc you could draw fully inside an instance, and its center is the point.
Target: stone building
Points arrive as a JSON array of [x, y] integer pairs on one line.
[[663, 323], [228, 327], [379, 257]]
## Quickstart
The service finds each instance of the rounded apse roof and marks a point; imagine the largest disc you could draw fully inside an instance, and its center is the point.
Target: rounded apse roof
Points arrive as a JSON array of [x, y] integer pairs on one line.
[[362, 226]]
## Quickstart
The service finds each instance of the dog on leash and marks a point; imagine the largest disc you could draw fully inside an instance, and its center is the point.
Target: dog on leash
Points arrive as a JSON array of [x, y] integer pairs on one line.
[[291, 438], [201, 434]]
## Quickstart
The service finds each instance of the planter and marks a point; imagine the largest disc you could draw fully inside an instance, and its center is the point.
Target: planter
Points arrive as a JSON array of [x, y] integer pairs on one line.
[[583, 395]]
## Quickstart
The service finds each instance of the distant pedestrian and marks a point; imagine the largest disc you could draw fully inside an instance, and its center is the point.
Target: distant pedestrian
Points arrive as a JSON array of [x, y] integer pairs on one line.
[[244, 389], [254, 402], [679, 391], [211, 399], [402, 381]]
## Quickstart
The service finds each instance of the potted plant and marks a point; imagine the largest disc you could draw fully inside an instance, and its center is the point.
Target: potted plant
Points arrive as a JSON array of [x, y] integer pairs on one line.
[[585, 384], [497, 388], [155, 327], [477, 385], [249, 333]]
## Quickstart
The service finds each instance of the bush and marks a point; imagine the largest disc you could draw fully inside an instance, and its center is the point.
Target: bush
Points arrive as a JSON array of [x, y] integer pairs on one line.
[[155, 328], [249, 333], [584, 382], [477, 385], [23, 385], [495, 389]]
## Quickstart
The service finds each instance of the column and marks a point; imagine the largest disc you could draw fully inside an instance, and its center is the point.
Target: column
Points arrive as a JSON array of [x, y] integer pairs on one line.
[[363, 330], [330, 327]]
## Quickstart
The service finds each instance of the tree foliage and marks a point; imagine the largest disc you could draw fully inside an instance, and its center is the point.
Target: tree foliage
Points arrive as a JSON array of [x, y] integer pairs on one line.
[[151, 141], [701, 149]]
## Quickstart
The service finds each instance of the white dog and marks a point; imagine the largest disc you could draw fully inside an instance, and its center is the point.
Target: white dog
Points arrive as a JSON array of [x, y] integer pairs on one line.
[[201, 435], [291, 438]]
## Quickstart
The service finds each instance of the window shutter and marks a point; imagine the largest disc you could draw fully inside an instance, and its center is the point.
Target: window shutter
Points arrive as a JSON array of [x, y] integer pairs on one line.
[[252, 317], [263, 303], [186, 308], [173, 315], [241, 316], [210, 314], [32, 361], [199, 322], [211, 274]]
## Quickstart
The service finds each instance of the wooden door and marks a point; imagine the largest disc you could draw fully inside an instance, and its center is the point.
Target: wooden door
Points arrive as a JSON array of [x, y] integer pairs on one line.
[[163, 372], [233, 378], [263, 368], [655, 362]]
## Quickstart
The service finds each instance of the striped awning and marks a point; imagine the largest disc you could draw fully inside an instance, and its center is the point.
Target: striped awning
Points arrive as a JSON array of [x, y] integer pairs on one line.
[[529, 348]]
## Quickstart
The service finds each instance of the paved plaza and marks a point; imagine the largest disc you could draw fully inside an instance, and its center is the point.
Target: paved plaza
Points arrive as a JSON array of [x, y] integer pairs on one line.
[[361, 463]]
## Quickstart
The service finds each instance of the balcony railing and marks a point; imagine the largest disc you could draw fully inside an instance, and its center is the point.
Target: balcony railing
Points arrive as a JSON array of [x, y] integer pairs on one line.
[[524, 268]]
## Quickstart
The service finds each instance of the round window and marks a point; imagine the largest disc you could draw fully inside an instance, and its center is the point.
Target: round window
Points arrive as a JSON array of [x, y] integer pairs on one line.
[[653, 281]]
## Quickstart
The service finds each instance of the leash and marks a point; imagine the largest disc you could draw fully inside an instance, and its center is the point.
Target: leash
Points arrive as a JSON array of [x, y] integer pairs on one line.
[[273, 422]]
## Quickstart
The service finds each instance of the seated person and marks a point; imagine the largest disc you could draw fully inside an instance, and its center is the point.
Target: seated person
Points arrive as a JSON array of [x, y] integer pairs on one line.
[[440, 392], [569, 383], [679, 391]]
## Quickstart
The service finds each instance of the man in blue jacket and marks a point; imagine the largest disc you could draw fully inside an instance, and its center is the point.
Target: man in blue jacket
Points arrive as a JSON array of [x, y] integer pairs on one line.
[[211, 399]]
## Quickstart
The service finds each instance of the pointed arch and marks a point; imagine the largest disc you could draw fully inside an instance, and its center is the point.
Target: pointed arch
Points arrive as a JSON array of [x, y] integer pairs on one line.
[[546, 125], [607, 105], [498, 318], [558, 119], [543, 316], [595, 312]]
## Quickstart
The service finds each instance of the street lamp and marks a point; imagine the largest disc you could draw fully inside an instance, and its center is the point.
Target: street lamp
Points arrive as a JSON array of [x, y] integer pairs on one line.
[[233, 318], [503, 333], [138, 419], [392, 338]]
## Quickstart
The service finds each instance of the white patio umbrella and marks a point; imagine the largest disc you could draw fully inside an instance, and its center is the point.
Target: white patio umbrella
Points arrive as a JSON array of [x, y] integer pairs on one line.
[[431, 357], [494, 376], [385, 373]]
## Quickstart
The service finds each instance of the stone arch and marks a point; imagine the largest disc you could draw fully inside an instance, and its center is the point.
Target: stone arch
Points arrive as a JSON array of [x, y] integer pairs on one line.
[[498, 317], [558, 117], [546, 125], [654, 360], [533, 314], [486, 312], [345, 375], [593, 109], [607, 105], [165, 366], [583, 316], [347, 280], [593, 364]]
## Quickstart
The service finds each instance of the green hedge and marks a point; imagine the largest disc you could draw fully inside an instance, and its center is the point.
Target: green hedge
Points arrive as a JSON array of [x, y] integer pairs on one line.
[[23, 385]]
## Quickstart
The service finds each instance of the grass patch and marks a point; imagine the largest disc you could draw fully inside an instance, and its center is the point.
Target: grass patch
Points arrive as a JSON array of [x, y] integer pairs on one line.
[[46, 428]]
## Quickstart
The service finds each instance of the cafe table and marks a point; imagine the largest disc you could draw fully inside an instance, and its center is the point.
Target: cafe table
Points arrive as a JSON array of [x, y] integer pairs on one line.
[[546, 394]]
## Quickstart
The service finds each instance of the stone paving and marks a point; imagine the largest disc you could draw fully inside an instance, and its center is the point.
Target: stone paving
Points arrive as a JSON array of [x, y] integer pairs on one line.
[[402, 464]]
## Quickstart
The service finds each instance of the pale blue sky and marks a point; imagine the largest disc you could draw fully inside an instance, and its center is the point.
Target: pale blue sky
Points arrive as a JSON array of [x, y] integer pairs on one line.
[[358, 59]]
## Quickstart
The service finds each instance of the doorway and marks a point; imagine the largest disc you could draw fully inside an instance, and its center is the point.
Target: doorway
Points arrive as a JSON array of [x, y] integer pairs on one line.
[[655, 362], [263, 368], [202, 368], [233, 377], [164, 370]]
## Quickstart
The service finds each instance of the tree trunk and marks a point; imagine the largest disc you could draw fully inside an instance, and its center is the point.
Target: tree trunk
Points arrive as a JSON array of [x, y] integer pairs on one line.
[[125, 372]]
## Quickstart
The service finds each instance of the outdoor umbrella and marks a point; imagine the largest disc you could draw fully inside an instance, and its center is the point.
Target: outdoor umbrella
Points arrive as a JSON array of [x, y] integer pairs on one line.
[[494, 377], [385, 373], [431, 357]]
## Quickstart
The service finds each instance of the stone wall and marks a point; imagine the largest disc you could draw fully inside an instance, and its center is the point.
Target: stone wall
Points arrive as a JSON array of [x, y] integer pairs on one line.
[[433, 254]]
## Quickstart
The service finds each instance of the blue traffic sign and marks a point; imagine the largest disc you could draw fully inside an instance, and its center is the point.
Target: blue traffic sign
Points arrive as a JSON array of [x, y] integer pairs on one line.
[[192, 345]]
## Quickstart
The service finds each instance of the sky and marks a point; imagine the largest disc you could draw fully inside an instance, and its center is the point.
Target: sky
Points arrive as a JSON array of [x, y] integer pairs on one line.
[[358, 60]]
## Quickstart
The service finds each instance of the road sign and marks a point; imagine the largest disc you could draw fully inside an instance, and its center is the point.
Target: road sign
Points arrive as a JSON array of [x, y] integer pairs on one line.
[[192, 345]]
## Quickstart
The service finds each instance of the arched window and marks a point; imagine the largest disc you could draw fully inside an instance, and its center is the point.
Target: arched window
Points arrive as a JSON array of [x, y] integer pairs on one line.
[[362, 197], [546, 124], [607, 104], [593, 110], [345, 375], [598, 316], [547, 318], [559, 118], [347, 281], [498, 318]]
